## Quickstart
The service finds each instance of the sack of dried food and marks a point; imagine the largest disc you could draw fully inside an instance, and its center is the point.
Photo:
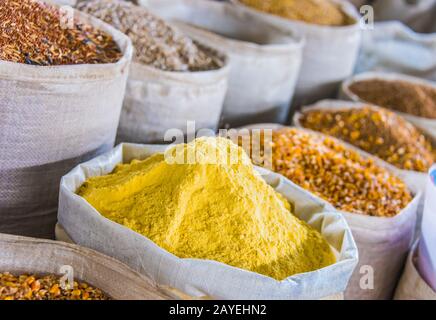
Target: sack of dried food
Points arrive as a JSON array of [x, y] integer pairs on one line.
[[173, 79], [332, 34], [43, 269], [191, 241], [393, 47], [412, 286], [412, 98], [378, 206], [61, 93], [264, 60]]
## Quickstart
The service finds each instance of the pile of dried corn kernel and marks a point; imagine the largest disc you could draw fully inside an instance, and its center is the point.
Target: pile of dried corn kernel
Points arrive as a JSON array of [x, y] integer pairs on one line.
[[31, 287], [336, 173], [377, 131]]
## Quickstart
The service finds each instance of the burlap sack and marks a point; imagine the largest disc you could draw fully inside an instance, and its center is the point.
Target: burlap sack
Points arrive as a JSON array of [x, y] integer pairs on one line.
[[35, 256], [425, 124], [411, 285], [393, 47], [329, 55], [264, 60], [383, 243], [52, 118], [196, 277]]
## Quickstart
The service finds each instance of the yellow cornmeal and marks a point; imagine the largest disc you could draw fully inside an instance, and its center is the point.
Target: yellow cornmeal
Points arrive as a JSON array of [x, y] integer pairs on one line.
[[322, 12], [222, 211]]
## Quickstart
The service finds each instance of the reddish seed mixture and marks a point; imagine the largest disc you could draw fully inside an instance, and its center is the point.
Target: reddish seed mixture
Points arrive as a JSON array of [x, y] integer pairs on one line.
[[31, 32]]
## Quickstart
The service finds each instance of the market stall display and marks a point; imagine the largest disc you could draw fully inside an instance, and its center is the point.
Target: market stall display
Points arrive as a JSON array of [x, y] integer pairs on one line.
[[264, 60], [173, 79], [53, 114]]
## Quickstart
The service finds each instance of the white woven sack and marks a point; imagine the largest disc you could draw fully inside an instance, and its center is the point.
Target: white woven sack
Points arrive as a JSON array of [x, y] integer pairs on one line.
[[196, 277], [52, 118], [425, 124], [329, 55], [383, 243], [412, 286], [393, 47], [40, 257], [264, 60]]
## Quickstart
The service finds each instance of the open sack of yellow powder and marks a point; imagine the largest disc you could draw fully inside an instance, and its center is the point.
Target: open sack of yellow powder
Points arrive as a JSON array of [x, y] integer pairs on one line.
[[208, 228]]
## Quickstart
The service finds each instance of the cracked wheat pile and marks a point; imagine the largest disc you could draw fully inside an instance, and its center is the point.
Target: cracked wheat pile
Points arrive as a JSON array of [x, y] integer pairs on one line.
[[31, 33], [335, 173], [156, 43], [31, 287], [377, 131]]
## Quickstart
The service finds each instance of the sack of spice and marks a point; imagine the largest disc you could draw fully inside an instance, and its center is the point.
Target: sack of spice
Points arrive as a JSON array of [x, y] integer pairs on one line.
[[393, 47], [378, 206], [225, 233], [332, 35], [412, 285], [61, 93], [264, 60], [412, 98], [173, 79], [35, 269]]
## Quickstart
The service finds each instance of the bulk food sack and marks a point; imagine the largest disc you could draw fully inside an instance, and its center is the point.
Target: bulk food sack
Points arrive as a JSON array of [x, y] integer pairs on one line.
[[383, 242], [412, 286], [264, 60], [428, 125], [196, 277], [22, 255], [329, 54], [393, 47], [52, 118]]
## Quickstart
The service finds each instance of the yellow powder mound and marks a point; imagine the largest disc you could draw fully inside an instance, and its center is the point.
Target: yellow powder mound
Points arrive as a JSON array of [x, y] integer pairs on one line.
[[218, 208], [322, 12]]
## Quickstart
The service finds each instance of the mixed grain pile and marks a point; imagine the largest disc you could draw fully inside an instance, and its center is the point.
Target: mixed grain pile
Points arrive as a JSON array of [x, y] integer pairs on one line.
[[376, 131], [156, 43], [337, 174], [32, 32], [31, 287]]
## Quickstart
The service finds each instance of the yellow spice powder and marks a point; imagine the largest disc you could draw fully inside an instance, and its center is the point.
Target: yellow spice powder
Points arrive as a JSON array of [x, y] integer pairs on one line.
[[217, 208], [322, 12]]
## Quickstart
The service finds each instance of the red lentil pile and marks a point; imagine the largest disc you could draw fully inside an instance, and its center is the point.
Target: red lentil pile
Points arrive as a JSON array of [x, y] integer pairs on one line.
[[376, 131], [402, 96], [31, 32], [31, 287], [342, 177]]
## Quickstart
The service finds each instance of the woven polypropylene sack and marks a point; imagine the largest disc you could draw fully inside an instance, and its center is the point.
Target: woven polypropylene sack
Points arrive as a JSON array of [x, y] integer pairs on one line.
[[52, 118], [40, 257], [329, 55], [264, 60], [197, 277]]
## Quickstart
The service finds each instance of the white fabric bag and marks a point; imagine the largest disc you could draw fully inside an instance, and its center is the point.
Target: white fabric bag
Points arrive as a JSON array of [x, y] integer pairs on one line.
[[329, 55], [393, 47], [157, 101], [264, 60], [40, 257], [425, 124], [383, 243], [196, 277], [52, 118], [412, 286]]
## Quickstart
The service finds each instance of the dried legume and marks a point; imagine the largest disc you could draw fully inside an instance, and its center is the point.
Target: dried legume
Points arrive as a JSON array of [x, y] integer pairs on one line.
[[32, 287], [414, 99], [322, 12], [377, 131], [156, 43], [31, 32], [336, 173]]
